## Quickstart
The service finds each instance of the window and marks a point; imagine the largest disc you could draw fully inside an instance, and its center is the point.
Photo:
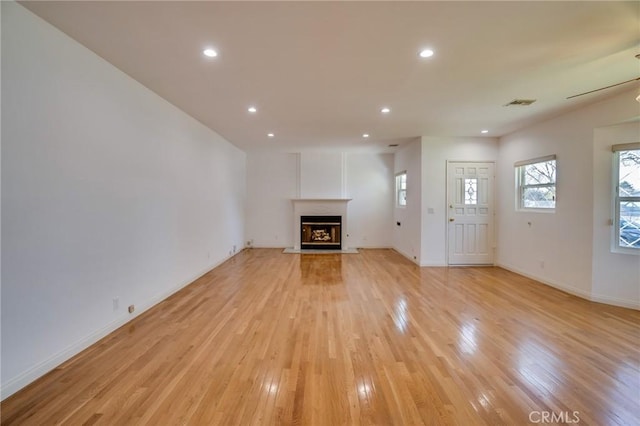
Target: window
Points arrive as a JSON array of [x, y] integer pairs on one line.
[[401, 189], [626, 179], [471, 191], [536, 183]]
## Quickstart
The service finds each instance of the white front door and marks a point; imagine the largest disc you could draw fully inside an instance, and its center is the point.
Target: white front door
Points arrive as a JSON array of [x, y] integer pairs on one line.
[[470, 213]]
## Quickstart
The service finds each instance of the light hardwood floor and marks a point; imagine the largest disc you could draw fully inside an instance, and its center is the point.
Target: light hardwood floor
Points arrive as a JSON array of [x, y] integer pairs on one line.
[[369, 338]]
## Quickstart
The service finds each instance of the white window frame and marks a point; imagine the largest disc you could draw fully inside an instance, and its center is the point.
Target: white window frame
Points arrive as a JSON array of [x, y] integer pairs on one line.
[[617, 199], [401, 193], [520, 186]]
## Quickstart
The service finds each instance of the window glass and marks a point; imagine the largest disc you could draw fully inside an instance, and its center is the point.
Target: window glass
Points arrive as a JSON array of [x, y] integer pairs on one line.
[[471, 191], [627, 200], [401, 189], [537, 185]]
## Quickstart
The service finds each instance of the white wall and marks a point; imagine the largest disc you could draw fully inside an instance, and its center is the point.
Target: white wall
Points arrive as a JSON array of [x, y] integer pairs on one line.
[[436, 151], [108, 191], [271, 184], [370, 183], [406, 235], [273, 179], [322, 175], [616, 276], [557, 247]]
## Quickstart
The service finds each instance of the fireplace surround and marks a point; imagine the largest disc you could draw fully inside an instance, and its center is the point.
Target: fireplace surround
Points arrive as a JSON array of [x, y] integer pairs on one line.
[[336, 207]]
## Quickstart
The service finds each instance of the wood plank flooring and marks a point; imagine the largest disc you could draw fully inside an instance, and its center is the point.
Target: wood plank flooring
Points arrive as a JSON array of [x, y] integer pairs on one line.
[[369, 338]]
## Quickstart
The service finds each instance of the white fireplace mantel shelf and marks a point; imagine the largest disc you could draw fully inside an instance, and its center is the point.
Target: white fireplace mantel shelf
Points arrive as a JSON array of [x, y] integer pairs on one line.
[[321, 199]]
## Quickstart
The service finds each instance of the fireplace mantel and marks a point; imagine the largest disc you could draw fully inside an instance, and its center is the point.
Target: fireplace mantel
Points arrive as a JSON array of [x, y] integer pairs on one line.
[[330, 200], [319, 207]]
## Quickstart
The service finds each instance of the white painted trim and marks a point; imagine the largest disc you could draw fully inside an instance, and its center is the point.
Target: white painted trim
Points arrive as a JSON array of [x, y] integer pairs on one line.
[[356, 248], [608, 300], [320, 207], [15, 384], [436, 264], [623, 303], [333, 200], [625, 147], [407, 255], [494, 227], [534, 160], [566, 288], [365, 247]]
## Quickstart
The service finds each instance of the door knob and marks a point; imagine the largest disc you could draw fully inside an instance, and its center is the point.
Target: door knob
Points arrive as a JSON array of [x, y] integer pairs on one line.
[[451, 219]]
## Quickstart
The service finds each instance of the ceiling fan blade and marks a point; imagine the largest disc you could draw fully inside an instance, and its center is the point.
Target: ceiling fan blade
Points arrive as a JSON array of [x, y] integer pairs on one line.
[[607, 87]]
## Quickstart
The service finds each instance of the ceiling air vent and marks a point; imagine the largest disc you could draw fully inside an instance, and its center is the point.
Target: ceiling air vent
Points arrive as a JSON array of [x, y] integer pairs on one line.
[[521, 102], [393, 145]]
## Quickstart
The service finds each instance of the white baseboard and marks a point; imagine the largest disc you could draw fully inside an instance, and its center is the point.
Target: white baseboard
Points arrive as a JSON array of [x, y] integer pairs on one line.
[[417, 262], [560, 286], [291, 247], [407, 255], [574, 290], [16, 383], [433, 264], [615, 301]]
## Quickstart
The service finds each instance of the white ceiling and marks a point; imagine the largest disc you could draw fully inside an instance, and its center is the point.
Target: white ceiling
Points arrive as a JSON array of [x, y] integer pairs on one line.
[[319, 72]]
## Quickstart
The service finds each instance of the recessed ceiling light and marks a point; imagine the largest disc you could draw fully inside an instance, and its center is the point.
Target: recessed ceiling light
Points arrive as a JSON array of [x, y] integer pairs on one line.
[[426, 53], [484, 131], [385, 110], [365, 135], [252, 109], [271, 135], [210, 53]]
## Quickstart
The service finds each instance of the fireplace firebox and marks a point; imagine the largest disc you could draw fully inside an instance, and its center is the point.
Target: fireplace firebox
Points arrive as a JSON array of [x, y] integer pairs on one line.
[[320, 232]]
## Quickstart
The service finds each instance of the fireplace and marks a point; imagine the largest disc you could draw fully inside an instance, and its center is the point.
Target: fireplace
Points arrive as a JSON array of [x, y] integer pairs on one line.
[[334, 208], [321, 232]]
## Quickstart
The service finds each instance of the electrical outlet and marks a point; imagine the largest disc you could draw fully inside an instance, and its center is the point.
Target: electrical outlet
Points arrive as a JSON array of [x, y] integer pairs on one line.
[[131, 308], [234, 248], [116, 303]]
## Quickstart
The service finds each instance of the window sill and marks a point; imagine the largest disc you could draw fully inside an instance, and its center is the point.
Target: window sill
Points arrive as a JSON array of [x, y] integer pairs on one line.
[[628, 251], [531, 210]]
